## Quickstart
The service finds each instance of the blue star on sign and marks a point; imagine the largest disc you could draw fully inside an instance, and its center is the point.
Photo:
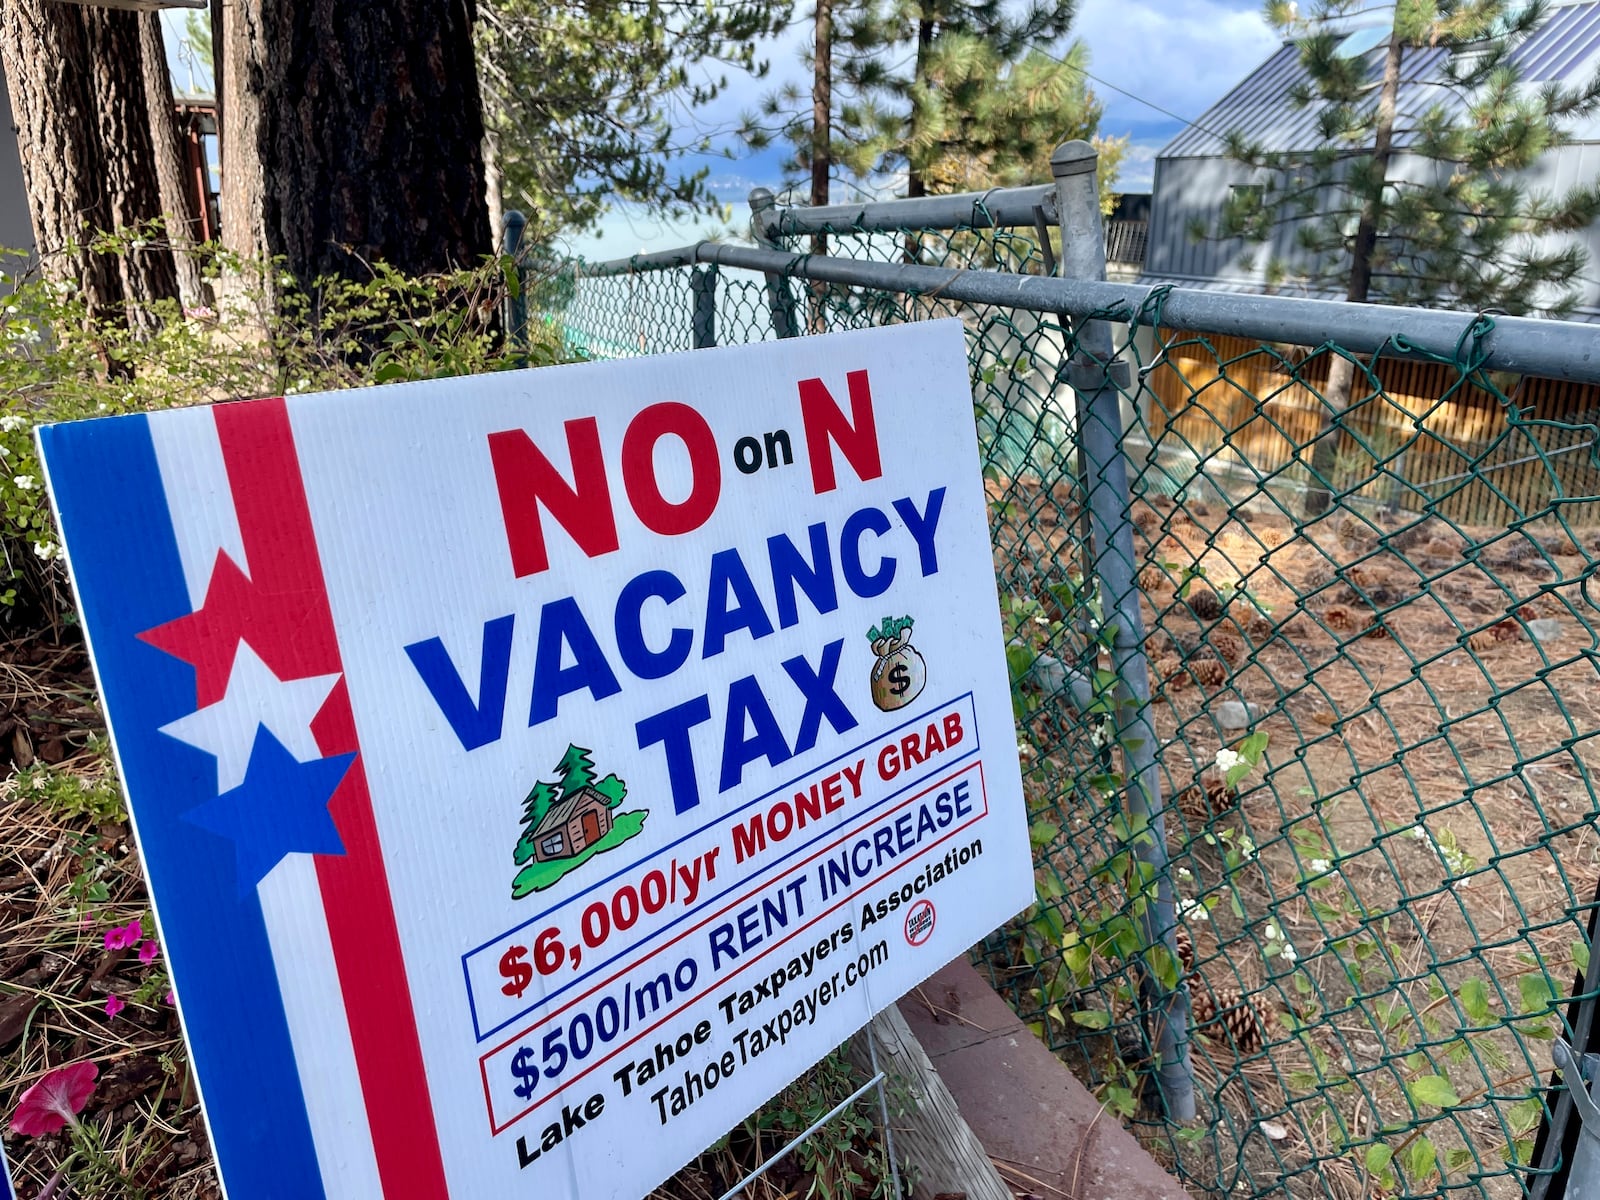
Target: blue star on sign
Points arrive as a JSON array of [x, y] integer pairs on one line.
[[281, 808]]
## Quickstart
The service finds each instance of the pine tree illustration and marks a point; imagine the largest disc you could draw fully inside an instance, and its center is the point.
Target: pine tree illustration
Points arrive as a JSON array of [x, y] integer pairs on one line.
[[534, 810], [577, 770]]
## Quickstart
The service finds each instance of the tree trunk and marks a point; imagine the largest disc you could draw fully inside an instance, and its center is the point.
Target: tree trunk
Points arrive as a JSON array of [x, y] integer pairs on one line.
[[822, 108], [821, 144], [44, 50], [128, 158], [915, 186], [1341, 370], [366, 125], [492, 185], [179, 205]]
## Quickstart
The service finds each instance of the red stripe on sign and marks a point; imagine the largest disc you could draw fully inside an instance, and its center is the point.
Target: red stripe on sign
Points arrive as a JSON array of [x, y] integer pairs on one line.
[[281, 548]]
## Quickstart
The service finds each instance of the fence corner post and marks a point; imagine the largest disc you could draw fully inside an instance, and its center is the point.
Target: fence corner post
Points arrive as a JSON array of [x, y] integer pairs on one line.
[[763, 205], [1093, 372], [516, 307]]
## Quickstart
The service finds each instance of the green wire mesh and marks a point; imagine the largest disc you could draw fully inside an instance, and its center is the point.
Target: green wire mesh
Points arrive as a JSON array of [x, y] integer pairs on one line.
[[1381, 922]]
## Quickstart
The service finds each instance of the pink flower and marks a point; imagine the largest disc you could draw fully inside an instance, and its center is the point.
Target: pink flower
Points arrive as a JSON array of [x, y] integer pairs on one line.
[[148, 952], [172, 998], [120, 937], [114, 1004], [54, 1101]]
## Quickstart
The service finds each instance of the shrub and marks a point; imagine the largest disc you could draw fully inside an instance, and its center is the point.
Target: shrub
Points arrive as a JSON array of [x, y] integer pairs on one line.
[[264, 336]]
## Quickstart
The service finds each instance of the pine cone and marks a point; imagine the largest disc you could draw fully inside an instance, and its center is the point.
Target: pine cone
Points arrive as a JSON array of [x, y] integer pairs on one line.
[[1344, 620], [1272, 537], [1315, 577], [1209, 672], [1506, 631], [1153, 578], [1484, 639], [1258, 627], [1205, 799], [1172, 675], [1146, 519], [1203, 602], [1185, 944], [1223, 1015], [1227, 645], [1355, 534]]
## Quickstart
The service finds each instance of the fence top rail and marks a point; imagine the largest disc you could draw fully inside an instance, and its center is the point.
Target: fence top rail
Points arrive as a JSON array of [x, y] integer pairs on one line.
[[997, 208], [1523, 345], [660, 260]]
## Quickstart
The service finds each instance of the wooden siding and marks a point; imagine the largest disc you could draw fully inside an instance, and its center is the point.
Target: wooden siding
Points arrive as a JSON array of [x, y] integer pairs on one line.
[[1411, 427]]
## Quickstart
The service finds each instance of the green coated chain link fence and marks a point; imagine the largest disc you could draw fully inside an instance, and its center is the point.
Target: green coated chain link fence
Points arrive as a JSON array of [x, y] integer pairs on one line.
[[1372, 695]]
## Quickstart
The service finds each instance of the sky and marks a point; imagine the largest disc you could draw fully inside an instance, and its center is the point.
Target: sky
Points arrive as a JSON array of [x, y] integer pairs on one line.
[[1175, 57], [1171, 59]]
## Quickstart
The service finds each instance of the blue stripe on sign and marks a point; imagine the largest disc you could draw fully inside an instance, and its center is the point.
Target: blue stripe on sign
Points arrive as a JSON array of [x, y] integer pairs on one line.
[[5, 1177], [124, 556]]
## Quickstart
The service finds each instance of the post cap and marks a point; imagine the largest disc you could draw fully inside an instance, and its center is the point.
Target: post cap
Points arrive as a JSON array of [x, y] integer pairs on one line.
[[761, 198], [1076, 157]]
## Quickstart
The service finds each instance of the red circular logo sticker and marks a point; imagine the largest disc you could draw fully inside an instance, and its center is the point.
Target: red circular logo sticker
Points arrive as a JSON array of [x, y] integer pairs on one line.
[[919, 922]]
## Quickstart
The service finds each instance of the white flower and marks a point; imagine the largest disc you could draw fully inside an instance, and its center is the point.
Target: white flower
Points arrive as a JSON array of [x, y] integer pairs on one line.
[[1272, 932], [25, 482], [11, 423], [1287, 953], [1418, 832], [1320, 865], [1227, 760], [1193, 910], [1185, 873], [1041, 619]]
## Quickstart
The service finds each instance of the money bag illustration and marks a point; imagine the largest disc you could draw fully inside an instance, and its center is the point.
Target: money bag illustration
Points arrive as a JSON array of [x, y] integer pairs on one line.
[[900, 674]]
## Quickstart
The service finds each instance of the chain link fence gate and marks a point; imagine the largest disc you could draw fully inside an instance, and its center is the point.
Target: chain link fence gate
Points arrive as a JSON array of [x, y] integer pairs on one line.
[[1306, 685]]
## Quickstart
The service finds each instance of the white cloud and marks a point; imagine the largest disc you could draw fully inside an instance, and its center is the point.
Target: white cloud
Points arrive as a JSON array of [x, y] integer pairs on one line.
[[1139, 166], [1182, 57]]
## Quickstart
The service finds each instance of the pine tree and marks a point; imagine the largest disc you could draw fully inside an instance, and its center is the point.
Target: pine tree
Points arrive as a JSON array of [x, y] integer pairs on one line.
[[588, 101], [1459, 226], [577, 770], [535, 808], [952, 96]]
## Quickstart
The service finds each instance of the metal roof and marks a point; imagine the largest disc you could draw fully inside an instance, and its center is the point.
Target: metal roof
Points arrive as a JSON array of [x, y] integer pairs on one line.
[[1563, 49]]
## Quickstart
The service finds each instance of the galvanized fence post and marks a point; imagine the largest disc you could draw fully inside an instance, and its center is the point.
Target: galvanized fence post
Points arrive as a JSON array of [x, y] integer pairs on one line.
[[779, 300], [703, 286], [1095, 376], [516, 306]]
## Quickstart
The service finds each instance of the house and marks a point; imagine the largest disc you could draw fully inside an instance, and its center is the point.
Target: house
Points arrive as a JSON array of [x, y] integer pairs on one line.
[[1194, 175], [572, 825]]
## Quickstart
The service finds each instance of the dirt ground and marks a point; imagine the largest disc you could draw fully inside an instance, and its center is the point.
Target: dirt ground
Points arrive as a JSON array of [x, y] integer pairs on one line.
[[1431, 701]]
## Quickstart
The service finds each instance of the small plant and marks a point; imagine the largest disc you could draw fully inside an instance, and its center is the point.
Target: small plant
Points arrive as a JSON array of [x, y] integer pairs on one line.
[[54, 1103]]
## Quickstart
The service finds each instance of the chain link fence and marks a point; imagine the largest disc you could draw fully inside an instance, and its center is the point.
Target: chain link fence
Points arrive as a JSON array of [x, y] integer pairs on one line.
[[1305, 684]]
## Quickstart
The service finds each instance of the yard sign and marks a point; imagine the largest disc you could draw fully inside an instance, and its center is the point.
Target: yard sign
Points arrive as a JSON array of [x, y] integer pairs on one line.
[[537, 771]]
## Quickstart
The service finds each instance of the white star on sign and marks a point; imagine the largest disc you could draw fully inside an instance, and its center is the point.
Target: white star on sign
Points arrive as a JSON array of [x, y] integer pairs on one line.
[[255, 696]]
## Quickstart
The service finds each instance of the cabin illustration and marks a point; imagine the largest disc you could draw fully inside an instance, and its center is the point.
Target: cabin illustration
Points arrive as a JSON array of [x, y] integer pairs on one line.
[[572, 826]]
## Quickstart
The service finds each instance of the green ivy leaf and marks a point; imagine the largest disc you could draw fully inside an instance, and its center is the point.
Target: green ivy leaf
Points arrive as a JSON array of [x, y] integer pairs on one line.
[[1537, 992], [1378, 1156], [1091, 1018], [1474, 997], [1434, 1090], [1420, 1159]]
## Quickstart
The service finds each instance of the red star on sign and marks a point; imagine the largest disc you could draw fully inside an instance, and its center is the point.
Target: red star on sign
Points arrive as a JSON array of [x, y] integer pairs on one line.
[[272, 621]]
